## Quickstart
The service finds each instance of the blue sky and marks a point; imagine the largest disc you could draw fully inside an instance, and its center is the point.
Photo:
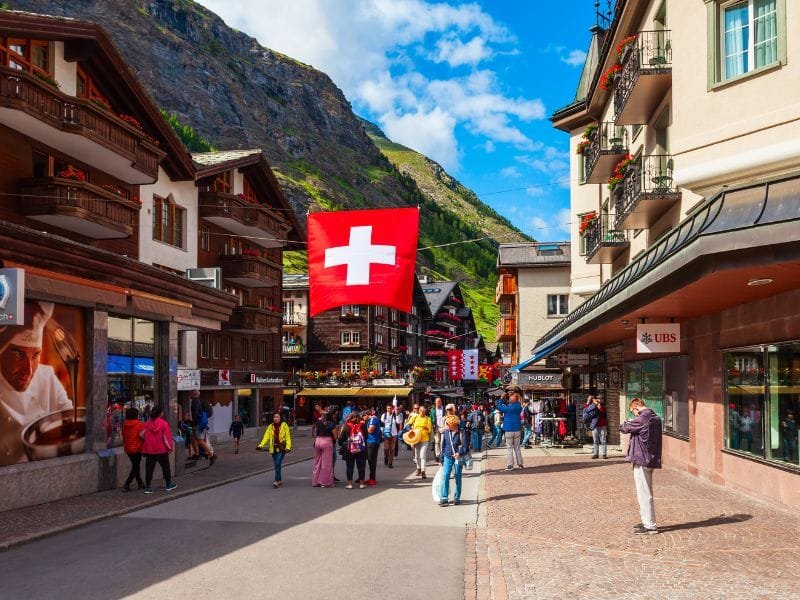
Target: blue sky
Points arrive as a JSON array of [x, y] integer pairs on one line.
[[470, 84]]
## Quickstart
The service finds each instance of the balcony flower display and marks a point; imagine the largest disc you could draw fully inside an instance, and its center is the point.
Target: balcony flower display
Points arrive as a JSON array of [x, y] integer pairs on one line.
[[72, 173], [402, 348], [248, 199], [402, 324], [582, 146], [608, 78], [619, 172], [248, 252], [590, 131], [117, 191], [131, 121], [47, 79], [101, 104], [586, 220], [623, 46]]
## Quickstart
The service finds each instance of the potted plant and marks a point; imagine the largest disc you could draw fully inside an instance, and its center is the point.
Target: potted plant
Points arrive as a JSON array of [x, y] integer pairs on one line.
[[582, 146], [72, 173], [619, 172], [586, 221], [624, 47], [47, 79], [590, 131], [608, 78]]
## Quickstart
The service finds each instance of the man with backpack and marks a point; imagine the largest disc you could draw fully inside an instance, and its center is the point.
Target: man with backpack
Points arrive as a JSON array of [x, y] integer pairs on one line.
[[201, 413], [478, 423], [527, 429], [594, 417]]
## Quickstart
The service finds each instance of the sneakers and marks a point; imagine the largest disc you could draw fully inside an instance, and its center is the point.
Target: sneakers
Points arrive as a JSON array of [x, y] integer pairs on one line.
[[335, 480], [509, 467], [444, 503], [349, 486], [361, 486], [519, 467], [423, 475], [642, 530], [594, 456], [371, 482], [418, 473], [456, 501], [171, 486], [385, 462], [605, 457], [148, 490], [275, 484], [212, 460]]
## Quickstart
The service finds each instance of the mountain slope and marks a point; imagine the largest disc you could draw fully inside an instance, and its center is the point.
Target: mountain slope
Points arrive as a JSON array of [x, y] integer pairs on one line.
[[235, 93]]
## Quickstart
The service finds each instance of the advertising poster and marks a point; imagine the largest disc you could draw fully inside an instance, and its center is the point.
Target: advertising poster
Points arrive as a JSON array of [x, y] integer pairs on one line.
[[42, 384]]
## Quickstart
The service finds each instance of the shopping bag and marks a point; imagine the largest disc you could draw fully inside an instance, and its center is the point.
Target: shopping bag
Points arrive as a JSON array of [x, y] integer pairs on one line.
[[436, 486]]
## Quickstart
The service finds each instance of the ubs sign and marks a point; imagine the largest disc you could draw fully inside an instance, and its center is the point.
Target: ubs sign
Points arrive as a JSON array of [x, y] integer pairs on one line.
[[658, 337]]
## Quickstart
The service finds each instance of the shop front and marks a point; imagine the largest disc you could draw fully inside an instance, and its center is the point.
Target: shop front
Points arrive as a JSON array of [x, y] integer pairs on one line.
[[704, 327]]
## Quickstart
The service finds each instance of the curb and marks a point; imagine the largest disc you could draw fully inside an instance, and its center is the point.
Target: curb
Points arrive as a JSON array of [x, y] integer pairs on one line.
[[4, 546]]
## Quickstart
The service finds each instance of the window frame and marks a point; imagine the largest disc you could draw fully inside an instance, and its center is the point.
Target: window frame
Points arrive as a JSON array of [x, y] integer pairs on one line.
[[169, 222], [349, 338], [715, 31], [561, 310]]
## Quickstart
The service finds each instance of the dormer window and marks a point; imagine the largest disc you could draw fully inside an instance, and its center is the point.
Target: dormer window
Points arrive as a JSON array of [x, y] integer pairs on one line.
[[223, 182], [32, 56]]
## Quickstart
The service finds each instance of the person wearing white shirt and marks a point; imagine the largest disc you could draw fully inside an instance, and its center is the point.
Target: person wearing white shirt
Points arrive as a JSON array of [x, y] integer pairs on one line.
[[437, 416], [391, 423]]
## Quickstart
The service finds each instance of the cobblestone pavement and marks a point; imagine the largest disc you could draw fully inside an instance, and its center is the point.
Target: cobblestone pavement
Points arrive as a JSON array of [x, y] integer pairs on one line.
[[34, 522], [562, 528]]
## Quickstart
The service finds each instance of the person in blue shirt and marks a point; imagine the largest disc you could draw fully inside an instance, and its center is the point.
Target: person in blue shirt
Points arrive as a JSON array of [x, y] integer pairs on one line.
[[512, 423], [374, 441], [455, 447]]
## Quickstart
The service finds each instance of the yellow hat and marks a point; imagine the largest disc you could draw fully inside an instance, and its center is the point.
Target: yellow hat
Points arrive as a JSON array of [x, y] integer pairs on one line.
[[411, 437], [451, 420]]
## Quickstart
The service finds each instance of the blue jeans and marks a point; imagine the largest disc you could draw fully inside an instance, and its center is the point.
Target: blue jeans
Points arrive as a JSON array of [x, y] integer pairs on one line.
[[599, 436], [528, 432], [477, 439], [497, 434], [277, 458], [449, 463]]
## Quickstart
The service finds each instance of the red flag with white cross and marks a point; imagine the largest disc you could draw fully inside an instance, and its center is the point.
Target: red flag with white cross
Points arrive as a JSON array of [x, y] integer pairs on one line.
[[362, 257]]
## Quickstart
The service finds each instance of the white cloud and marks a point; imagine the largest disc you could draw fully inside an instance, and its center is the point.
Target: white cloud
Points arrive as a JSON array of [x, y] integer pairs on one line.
[[546, 226], [372, 50], [575, 58], [432, 133], [510, 173]]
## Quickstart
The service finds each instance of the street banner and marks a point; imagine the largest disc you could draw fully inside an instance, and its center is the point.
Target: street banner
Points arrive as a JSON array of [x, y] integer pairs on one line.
[[455, 364], [471, 364]]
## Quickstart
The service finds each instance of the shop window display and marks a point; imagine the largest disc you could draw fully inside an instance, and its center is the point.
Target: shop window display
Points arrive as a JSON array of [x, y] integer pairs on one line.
[[662, 384], [762, 401]]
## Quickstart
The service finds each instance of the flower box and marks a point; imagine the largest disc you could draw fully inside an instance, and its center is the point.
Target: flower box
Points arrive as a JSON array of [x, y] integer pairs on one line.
[[72, 173], [608, 78], [625, 46], [586, 221], [619, 172]]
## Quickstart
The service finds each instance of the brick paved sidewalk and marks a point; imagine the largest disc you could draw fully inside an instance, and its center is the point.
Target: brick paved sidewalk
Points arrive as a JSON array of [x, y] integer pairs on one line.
[[563, 528], [34, 522]]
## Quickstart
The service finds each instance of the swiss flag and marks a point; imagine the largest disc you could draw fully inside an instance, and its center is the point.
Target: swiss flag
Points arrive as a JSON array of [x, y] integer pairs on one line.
[[362, 257]]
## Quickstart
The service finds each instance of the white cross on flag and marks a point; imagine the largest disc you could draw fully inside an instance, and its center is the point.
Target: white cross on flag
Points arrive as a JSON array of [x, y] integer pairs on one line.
[[362, 257]]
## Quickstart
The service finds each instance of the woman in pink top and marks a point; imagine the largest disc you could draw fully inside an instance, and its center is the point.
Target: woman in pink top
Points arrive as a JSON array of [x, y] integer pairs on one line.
[[156, 447]]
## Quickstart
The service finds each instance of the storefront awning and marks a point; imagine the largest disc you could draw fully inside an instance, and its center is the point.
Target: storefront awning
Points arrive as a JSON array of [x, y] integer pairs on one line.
[[289, 391], [387, 392], [331, 391], [540, 353]]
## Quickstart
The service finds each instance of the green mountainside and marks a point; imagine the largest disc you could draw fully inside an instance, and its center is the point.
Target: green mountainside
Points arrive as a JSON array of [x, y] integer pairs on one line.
[[220, 88]]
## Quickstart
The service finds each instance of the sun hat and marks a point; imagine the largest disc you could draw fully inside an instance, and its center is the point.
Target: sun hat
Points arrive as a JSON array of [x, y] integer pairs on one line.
[[451, 420], [411, 437]]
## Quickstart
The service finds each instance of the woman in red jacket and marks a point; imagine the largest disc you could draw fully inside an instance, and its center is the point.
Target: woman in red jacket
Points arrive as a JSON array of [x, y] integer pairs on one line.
[[133, 447], [156, 447]]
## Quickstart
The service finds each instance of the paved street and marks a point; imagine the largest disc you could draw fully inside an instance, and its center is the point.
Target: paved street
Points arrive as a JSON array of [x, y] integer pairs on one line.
[[250, 540], [563, 528]]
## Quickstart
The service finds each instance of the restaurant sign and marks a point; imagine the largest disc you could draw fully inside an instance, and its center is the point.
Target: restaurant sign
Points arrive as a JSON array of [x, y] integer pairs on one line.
[[658, 337], [12, 297]]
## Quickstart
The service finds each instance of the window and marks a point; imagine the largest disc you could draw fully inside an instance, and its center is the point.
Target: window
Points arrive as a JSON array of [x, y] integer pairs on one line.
[[249, 193], [181, 348], [215, 346], [663, 385], [205, 239], [351, 338], [227, 347], [379, 339], [245, 350], [204, 345], [351, 310], [557, 305], [747, 35], [168, 219], [223, 182], [32, 56], [262, 352], [762, 403], [350, 366], [253, 351]]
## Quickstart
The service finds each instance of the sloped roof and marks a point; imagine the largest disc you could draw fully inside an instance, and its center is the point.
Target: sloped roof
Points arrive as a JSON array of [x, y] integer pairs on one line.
[[295, 281], [436, 292], [211, 159], [534, 254]]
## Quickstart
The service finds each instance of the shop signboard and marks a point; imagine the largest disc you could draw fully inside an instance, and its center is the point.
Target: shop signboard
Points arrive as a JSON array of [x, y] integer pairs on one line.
[[257, 379], [224, 377], [43, 366], [658, 337], [540, 380], [388, 382], [188, 379], [12, 297], [571, 359]]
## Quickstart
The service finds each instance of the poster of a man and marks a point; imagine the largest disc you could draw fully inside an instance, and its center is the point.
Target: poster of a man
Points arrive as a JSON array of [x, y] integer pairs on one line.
[[34, 376]]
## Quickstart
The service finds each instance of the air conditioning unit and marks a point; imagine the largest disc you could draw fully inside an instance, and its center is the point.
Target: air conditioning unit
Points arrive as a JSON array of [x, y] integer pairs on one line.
[[210, 277]]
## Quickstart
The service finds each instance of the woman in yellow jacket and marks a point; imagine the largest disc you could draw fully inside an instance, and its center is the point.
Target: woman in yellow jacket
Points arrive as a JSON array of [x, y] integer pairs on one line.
[[422, 427], [277, 441]]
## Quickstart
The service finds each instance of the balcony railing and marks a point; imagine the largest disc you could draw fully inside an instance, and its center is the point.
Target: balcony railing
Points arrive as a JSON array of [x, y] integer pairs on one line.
[[253, 320], [70, 115], [78, 206], [506, 329], [293, 349], [249, 271], [603, 244], [607, 146], [294, 320], [645, 78], [506, 286], [646, 193], [237, 215]]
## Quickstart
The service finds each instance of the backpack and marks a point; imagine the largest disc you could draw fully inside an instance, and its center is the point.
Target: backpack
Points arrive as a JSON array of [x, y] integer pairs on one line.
[[356, 442], [589, 414], [208, 410], [202, 423]]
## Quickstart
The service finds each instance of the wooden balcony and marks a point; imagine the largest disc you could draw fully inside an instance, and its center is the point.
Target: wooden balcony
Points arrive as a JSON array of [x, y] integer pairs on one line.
[[603, 244], [607, 147], [646, 193], [253, 320], [506, 329], [260, 224], [293, 350], [77, 128], [249, 271], [79, 207], [294, 320], [506, 286], [645, 79]]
